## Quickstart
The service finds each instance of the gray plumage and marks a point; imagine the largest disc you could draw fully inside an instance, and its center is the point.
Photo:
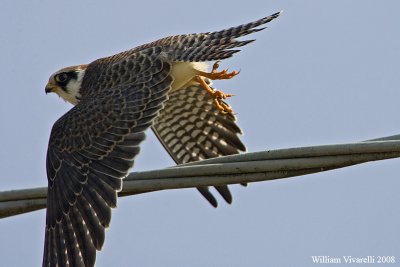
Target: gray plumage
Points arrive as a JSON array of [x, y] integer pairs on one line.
[[92, 147]]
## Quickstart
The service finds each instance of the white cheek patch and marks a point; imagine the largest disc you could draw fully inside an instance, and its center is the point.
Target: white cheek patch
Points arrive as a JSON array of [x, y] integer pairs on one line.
[[72, 94], [74, 86]]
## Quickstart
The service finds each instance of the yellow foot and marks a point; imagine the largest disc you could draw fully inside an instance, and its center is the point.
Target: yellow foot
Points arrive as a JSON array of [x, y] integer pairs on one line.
[[218, 75], [217, 96], [221, 105]]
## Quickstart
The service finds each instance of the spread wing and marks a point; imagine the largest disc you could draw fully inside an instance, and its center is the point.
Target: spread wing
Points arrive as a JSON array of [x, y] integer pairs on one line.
[[91, 149], [207, 46], [92, 146], [180, 125], [191, 128]]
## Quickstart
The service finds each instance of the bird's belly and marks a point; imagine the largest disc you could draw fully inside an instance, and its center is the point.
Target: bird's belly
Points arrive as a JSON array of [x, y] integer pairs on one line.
[[184, 72]]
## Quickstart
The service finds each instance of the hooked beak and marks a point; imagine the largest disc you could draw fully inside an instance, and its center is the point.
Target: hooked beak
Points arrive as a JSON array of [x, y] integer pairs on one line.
[[49, 88]]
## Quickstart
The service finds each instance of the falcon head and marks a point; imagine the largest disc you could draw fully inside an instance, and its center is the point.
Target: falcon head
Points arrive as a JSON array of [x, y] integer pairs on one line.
[[66, 83]]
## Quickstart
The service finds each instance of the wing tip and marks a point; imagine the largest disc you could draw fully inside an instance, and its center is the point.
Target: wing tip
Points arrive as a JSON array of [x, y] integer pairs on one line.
[[277, 14], [207, 195], [225, 193]]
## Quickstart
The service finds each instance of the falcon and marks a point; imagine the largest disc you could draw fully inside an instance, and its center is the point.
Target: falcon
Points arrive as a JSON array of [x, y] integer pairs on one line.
[[163, 85]]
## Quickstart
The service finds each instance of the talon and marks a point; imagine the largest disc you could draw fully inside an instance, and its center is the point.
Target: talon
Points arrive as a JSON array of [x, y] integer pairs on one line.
[[217, 96], [221, 95], [223, 107], [218, 75], [215, 66]]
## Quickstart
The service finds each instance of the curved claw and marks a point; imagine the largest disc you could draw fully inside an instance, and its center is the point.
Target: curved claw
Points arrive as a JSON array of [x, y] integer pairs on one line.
[[215, 66], [217, 96], [218, 75], [223, 107]]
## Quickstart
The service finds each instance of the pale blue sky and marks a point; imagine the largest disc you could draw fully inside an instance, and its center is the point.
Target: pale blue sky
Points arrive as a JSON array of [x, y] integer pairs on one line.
[[325, 72]]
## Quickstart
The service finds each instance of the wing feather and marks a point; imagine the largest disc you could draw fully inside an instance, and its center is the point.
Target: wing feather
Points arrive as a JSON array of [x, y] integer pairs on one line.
[[191, 128], [91, 149], [206, 46]]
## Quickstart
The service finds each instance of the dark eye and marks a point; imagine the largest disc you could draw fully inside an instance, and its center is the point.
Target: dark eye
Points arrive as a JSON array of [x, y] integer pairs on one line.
[[61, 77]]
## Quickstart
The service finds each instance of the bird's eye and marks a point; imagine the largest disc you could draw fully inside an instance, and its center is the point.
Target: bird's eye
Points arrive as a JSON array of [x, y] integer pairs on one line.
[[61, 77]]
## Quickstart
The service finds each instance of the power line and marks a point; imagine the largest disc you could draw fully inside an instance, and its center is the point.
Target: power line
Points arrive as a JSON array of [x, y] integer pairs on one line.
[[244, 168]]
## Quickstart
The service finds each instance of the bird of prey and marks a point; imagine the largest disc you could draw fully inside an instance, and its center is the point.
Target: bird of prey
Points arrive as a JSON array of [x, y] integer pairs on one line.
[[164, 85]]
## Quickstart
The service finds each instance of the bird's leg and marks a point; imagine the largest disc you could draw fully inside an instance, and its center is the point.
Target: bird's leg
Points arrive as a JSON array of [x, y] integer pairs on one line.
[[218, 75], [218, 96]]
